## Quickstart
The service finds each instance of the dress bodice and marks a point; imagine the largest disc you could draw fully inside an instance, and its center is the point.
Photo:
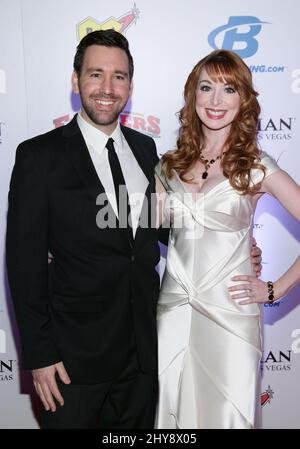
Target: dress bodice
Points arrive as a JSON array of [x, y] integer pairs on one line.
[[210, 238]]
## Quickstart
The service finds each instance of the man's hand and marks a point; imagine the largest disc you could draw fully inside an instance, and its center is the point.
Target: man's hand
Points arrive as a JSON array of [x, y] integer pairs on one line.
[[45, 384], [256, 258]]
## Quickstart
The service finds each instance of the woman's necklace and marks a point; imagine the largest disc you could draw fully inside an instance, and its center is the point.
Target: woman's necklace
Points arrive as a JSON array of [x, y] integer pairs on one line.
[[208, 162]]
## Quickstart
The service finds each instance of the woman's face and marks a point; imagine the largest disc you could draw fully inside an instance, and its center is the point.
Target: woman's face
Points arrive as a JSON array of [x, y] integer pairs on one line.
[[217, 103]]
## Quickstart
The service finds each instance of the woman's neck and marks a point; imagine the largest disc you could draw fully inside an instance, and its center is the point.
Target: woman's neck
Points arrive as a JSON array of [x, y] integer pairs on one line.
[[214, 140]]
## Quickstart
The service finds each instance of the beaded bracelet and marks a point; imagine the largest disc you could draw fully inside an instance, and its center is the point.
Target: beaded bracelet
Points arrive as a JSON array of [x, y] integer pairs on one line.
[[270, 292]]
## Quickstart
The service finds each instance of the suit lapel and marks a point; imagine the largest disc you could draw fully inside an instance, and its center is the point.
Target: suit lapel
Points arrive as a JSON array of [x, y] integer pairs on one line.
[[138, 153], [79, 157], [146, 167]]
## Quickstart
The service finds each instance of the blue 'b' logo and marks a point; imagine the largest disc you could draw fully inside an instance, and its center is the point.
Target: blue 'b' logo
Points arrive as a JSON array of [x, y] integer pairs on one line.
[[233, 34]]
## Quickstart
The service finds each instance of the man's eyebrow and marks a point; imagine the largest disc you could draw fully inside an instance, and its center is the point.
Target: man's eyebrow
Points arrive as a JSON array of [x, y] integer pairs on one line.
[[98, 69]]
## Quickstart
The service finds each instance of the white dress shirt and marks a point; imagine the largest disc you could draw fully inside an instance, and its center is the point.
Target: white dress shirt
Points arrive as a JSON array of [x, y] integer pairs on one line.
[[136, 181]]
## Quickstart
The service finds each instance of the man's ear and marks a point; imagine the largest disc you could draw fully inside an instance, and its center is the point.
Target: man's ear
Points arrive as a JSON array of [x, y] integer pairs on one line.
[[75, 83]]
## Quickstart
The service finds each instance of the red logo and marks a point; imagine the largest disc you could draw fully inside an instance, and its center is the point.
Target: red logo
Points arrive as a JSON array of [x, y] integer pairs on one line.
[[146, 124], [63, 120], [266, 396]]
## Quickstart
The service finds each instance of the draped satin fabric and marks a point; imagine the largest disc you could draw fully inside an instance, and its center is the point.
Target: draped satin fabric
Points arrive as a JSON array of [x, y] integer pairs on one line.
[[209, 346]]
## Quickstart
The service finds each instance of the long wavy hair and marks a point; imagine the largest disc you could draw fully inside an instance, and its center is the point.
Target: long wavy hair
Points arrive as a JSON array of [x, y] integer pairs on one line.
[[241, 149]]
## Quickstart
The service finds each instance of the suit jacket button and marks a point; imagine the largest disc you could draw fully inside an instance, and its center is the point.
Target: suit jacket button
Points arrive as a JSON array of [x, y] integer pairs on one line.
[[132, 258]]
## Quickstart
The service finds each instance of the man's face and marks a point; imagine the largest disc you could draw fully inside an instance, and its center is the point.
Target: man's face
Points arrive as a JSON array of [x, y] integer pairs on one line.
[[104, 86]]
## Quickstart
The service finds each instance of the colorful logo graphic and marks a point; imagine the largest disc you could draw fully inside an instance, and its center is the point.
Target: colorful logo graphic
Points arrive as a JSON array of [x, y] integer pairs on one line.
[[233, 36], [120, 24], [61, 121], [266, 396], [146, 124]]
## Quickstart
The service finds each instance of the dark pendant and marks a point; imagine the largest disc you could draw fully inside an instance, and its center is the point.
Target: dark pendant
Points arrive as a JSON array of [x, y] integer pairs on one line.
[[204, 175]]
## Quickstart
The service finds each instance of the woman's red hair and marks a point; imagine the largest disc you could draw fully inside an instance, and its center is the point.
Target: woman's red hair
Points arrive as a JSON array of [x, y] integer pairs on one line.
[[242, 153]]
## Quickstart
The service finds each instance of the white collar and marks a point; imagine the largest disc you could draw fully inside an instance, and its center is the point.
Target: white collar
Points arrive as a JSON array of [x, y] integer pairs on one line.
[[98, 139]]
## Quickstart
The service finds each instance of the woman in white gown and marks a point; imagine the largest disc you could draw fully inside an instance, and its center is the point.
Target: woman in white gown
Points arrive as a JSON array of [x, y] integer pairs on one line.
[[209, 329]]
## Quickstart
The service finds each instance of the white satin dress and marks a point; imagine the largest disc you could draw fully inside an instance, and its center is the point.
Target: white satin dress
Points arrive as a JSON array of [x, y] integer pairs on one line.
[[209, 346]]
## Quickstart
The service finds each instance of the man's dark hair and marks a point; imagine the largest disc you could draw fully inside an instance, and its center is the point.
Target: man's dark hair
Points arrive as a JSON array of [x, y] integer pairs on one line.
[[107, 38]]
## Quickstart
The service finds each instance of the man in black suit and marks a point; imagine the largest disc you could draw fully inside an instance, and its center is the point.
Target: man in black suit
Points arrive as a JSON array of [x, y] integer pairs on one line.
[[87, 321]]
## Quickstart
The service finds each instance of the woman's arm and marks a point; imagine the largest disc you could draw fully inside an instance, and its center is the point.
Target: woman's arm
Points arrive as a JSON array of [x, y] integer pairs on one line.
[[287, 191], [284, 189], [255, 290]]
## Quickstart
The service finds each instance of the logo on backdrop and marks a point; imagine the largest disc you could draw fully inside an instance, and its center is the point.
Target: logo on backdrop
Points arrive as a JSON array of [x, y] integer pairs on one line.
[[239, 35], [2, 81], [146, 124], [296, 342], [276, 128], [266, 396], [120, 24], [275, 304], [7, 369], [61, 121], [296, 81], [277, 361]]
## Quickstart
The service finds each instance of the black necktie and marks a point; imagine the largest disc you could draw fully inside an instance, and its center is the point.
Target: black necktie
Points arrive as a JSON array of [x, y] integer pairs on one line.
[[120, 187]]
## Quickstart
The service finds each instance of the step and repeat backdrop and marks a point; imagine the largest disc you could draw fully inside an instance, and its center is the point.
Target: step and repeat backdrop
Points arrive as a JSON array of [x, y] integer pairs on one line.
[[37, 46]]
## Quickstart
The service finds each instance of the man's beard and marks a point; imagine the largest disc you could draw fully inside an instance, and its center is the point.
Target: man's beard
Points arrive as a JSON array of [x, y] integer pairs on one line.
[[103, 118]]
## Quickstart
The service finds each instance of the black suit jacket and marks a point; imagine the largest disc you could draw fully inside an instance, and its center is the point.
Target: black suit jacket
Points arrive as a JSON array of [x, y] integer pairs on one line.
[[80, 309]]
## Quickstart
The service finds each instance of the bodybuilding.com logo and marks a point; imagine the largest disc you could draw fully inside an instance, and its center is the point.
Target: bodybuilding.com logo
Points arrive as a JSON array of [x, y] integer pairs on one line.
[[239, 35], [233, 34]]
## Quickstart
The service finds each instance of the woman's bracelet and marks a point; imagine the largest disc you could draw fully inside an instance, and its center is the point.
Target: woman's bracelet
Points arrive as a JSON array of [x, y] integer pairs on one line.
[[271, 297]]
